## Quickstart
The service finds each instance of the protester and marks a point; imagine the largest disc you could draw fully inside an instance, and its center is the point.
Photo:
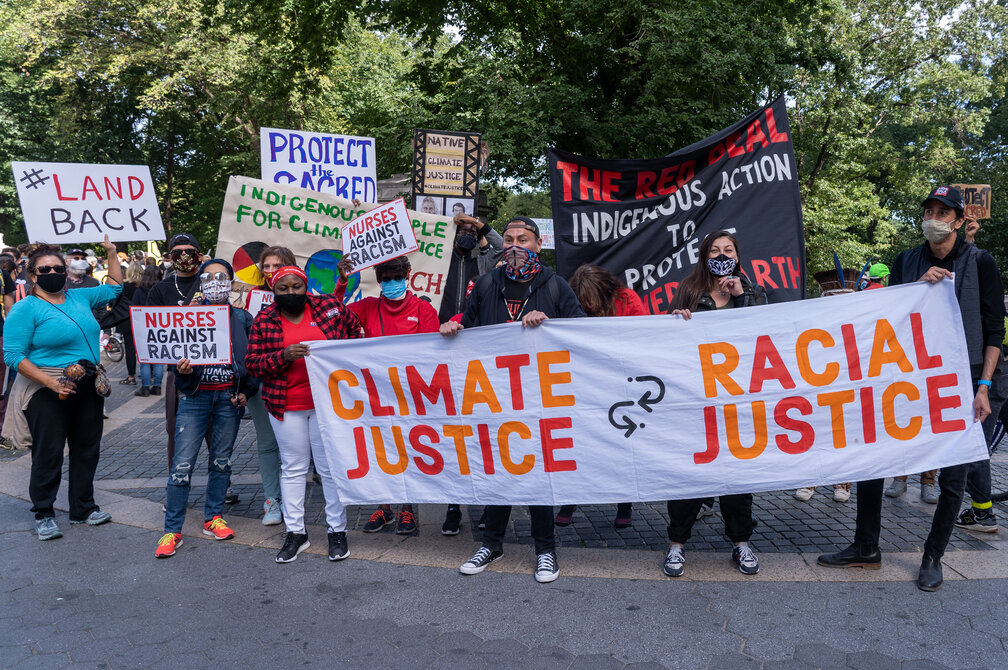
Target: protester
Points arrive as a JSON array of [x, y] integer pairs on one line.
[[7, 290], [601, 293], [521, 290], [397, 311], [134, 273], [149, 373], [476, 250], [210, 397], [51, 338], [276, 355], [970, 230], [716, 283], [79, 270], [980, 296]]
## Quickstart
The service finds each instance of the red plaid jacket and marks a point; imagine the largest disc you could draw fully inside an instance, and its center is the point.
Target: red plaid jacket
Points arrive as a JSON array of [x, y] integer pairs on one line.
[[264, 358]]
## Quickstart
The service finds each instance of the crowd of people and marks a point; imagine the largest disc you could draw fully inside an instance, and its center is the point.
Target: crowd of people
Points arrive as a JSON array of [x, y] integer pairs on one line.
[[55, 309]]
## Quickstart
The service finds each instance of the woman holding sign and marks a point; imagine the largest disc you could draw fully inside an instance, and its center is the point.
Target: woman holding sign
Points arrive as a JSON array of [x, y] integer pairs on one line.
[[716, 283], [276, 355], [51, 339]]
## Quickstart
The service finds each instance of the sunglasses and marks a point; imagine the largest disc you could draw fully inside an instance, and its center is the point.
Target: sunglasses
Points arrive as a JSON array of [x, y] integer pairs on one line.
[[179, 253], [49, 269], [399, 277], [220, 276]]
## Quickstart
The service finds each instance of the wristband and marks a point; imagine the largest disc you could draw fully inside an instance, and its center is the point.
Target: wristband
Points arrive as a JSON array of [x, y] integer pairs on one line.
[[984, 382]]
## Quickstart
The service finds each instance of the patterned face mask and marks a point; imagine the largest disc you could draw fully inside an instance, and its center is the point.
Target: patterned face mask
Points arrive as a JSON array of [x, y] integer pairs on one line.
[[186, 260], [721, 265], [216, 291], [520, 264]]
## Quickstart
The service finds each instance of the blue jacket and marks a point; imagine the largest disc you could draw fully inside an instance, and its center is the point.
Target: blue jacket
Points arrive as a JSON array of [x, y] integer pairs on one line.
[[241, 324]]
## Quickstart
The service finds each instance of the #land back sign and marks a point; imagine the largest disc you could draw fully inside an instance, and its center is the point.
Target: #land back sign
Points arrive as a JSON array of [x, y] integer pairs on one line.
[[342, 165], [75, 203], [644, 220]]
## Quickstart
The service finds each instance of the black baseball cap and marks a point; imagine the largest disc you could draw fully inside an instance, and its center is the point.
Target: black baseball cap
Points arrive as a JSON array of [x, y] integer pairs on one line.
[[76, 250], [947, 195], [526, 223], [183, 238]]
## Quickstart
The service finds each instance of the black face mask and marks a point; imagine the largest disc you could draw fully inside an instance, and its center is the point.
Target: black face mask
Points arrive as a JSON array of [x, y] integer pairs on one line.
[[292, 303], [51, 283], [722, 265], [466, 241]]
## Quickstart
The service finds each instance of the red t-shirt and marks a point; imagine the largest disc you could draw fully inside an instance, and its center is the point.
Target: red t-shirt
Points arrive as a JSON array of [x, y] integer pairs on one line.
[[628, 303], [381, 316], [299, 397]]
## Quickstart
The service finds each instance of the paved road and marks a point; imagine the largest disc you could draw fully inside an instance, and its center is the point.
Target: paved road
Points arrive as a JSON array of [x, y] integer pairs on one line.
[[97, 598]]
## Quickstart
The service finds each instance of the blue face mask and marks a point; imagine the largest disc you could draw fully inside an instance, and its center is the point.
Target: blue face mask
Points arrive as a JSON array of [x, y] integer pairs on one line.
[[393, 289]]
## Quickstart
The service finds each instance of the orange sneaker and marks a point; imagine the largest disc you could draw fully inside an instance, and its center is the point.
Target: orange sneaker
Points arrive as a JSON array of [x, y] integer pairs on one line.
[[167, 545], [217, 528]]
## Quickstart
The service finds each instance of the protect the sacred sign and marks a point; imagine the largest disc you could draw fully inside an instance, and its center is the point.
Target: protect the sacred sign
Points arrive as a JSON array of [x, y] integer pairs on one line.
[[201, 333], [378, 235], [74, 203]]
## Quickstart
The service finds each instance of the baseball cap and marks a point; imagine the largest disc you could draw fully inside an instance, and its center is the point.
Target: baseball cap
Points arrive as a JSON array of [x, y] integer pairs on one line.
[[76, 250], [524, 222], [878, 270], [183, 238], [947, 195]]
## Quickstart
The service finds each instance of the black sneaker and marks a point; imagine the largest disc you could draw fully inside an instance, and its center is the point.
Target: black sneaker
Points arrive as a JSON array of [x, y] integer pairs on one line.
[[381, 518], [155, 390], [742, 555], [480, 560], [451, 520], [338, 549], [405, 523], [142, 392], [294, 544], [547, 568], [980, 521], [230, 498]]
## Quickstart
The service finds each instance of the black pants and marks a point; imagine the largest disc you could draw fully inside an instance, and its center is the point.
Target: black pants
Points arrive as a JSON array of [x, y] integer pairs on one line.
[[77, 423], [542, 527], [736, 510], [129, 348]]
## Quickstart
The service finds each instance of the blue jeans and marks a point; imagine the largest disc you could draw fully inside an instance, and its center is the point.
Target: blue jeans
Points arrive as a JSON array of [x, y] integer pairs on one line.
[[194, 413], [146, 369]]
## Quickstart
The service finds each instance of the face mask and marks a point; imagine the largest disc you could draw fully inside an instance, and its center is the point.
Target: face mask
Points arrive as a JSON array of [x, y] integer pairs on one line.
[[466, 241], [521, 264], [216, 291], [292, 303], [79, 266], [51, 283], [187, 261], [935, 231], [721, 265], [393, 289], [167, 264], [268, 277]]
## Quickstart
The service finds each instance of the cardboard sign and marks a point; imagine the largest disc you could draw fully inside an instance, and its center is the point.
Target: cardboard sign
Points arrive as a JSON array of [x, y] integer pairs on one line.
[[379, 235], [257, 299], [168, 334], [603, 410], [546, 235], [342, 165], [445, 164], [976, 200], [73, 203]]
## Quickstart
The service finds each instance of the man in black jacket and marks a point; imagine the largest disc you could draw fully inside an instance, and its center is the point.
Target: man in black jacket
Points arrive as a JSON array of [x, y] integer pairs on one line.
[[979, 293], [521, 290], [475, 251]]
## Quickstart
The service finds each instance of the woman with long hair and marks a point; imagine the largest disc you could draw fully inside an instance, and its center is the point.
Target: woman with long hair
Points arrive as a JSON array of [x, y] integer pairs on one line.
[[149, 373], [133, 275], [717, 282]]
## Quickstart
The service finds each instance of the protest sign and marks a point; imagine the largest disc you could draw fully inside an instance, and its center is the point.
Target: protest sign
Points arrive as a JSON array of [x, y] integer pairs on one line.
[[379, 235], [342, 165], [201, 333], [603, 410], [546, 234], [976, 200], [257, 299], [445, 164], [74, 203], [258, 214], [644, 220]]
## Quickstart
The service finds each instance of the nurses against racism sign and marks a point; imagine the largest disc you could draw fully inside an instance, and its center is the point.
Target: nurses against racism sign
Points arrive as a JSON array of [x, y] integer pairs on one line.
[[342, 165], [379, 235], [258, 214], [644, 220], [168, 334], [600, 410], [73, 203]]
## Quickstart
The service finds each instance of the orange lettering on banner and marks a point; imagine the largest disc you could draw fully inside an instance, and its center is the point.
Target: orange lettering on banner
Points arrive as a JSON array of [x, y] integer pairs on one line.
[[478, 390], [835, 400], [938, 403], [459, 434], [382, 456], [548, 379], [759, 427], [886, 349], [832, 370], [714, 373], [551, 444], [897, 432], [805, 432], [504, 446], [398, 390], [768, 364], [437, 460], [356, 410]]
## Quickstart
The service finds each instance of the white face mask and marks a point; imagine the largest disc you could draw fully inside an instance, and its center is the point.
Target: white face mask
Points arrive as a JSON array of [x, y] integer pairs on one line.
[[936, 231], [79, 266]]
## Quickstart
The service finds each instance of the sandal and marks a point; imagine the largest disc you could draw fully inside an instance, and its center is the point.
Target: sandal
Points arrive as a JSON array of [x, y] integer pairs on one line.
[[129, 381]]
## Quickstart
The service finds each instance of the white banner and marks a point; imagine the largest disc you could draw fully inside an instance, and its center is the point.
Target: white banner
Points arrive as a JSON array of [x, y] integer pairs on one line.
[[379, 235], [168, 334], [341, 165], [74, 203], [605, 410]]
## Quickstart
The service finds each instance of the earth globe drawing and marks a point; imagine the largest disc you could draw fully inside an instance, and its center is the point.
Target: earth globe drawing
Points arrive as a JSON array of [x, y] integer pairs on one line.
[[323, 273]]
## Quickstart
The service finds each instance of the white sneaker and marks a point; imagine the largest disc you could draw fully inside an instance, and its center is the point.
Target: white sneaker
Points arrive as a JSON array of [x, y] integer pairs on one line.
[[547, 568], [805, 493], [841, 493], [897, 488]]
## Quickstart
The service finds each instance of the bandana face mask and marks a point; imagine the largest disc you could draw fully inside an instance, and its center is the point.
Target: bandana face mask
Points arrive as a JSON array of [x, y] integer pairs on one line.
[[721, 265], [520, 263], [186, 260], [216, 291]]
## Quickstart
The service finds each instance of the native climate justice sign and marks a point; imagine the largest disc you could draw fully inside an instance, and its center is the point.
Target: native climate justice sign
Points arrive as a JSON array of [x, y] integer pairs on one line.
[[168, 334], [73, 203], [342, 165], [601, 410], [379, 235], [644, 220]]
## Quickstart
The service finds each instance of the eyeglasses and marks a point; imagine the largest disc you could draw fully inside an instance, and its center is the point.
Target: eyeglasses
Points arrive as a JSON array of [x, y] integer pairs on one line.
[[49, 269], [208, 276]]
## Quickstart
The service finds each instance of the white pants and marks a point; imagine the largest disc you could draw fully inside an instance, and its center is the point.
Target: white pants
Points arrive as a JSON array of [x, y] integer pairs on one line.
[[299, 439]]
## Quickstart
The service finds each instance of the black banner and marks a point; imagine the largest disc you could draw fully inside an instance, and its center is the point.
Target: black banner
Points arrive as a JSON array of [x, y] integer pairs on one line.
[[644, 220]]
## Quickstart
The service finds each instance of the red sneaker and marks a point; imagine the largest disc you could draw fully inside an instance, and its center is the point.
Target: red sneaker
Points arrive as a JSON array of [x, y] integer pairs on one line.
[[167, 545], [217, 528]]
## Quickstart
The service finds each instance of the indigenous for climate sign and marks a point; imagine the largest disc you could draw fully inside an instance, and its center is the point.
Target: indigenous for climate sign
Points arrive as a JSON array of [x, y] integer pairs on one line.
[[600, 410], [168, 334]]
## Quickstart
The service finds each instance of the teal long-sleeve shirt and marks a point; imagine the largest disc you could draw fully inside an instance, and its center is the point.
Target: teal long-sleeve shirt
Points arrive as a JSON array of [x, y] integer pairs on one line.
[[48, 335]]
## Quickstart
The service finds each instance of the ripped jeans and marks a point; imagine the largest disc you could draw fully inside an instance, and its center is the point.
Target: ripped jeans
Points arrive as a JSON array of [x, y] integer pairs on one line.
[[194, 413]]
